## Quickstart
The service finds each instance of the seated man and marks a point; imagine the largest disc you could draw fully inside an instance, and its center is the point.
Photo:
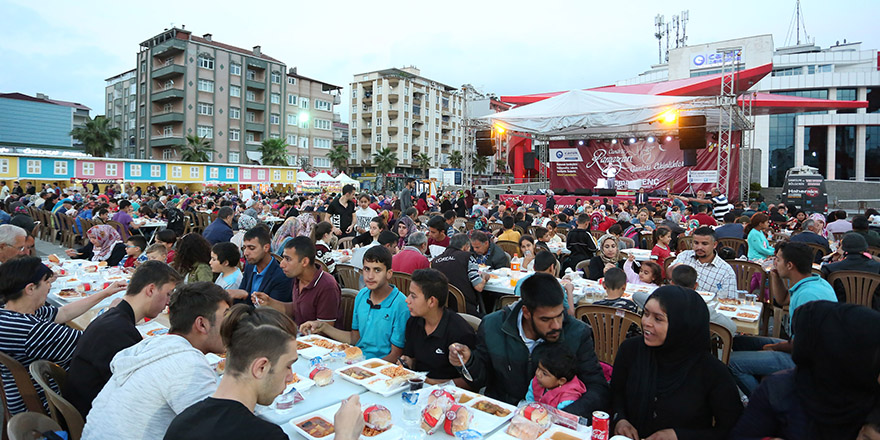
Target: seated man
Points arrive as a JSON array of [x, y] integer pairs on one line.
[[437, 228], [580, 242], [220, 230], [412, 257], [810, 234], [460, 267], [753, 356], [115, 330], [510, 338], [731, 228], [432, 327], [853, 247], [713, 273], [260, 349], [486, 252], [262, 272], [380, 312], [156, 379]]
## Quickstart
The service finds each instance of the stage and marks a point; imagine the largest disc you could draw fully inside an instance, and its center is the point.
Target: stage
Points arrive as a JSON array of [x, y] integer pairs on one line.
[[563, 202]]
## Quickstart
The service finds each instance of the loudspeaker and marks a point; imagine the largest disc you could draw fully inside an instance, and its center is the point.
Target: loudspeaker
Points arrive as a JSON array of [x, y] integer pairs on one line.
[[692, 132], [560, 191], [690, 157], [583, 192], [529, 161], [606, 192]]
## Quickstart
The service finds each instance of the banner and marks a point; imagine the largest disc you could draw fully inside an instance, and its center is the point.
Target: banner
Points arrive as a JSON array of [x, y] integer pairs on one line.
[[642, 164]]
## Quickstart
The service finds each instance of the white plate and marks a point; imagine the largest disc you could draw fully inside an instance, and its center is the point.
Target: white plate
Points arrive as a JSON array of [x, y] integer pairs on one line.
[[377, 383], [739, 308], [314, 351], [328, 413], [485, 422], [152, 328], [548, 435]]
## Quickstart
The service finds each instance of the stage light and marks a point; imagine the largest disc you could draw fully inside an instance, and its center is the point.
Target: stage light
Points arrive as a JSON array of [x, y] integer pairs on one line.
[[668, 138], [580, 142], [632, 140], [650, 139], [613, 141], [669, 117], [499, 129]]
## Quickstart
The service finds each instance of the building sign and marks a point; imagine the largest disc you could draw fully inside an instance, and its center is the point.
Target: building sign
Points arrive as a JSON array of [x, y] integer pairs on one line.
[[703, 176], [565, 155], [715, 58]]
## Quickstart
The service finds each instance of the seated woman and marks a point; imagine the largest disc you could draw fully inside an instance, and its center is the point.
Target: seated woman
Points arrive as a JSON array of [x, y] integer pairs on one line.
[[666, 384], [759, 246], [284, 233], [32, 329], [323, 234], [193, 259], [527, 246], [105, 244], [834, 384], [609, 256]]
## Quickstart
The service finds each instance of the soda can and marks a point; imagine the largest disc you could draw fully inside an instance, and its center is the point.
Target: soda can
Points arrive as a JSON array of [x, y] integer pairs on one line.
[[600, 425]]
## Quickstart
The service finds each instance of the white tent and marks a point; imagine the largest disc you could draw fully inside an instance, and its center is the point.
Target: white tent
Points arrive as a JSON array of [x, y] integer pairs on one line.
[[583, 112], [302, 175], [344, 179], [324, 177]]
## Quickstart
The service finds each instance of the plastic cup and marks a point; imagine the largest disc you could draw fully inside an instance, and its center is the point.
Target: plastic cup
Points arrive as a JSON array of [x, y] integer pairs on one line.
[[416, 383]]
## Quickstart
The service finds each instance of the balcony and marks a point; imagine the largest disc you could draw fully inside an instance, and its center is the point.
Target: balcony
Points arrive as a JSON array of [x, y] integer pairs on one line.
[[393, 95], [392, 146], [252, 105], [392, 129], [167, 140], [166, 117], [417, 121], [366, 131], [367, 98], [446, 140], [254, 126], [392, 114], [446, 126], [367, 116], [167, 95], [446, 112], [169, 47], [169, 71], [416, 132], [366, 147], [253, 84], [416, 147], [417, 102]]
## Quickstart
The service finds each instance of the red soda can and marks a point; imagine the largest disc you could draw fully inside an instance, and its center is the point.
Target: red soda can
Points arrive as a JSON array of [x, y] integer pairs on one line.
[[600, 425]]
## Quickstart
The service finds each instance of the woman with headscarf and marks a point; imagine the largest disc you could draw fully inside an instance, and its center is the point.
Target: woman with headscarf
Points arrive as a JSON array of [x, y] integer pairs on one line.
[[460, 205], [284, 233], [305, 222], [105, 244], [422, 203], [607, 257], [404, 230], [245, 223], [819, 218], [666, 384], [468, 200], [834, 384], [445, 203]]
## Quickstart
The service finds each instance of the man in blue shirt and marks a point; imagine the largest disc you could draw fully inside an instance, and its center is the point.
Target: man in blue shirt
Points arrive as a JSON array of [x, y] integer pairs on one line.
[[378, 325], [220, 230], [810, 234], [730, 229], [262, 272], [755, 357]]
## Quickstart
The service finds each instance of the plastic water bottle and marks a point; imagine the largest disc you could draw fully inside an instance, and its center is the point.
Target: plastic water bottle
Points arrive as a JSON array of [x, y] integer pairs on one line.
[[515, 263]]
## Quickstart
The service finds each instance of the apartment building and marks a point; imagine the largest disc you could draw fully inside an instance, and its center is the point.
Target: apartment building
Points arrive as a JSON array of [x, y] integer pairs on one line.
[[121, 109], [234, 97], [39, 125], [340, 131], [407, 113]]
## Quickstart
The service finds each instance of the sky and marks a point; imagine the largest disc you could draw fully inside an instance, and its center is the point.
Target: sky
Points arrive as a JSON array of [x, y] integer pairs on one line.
[[67, 49]]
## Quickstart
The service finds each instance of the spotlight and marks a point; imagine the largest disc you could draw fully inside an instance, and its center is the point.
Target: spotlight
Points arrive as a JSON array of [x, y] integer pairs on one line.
[[650, 139], [668, 138], [632, 140], [580, 142], [668, 117], [613, 141]]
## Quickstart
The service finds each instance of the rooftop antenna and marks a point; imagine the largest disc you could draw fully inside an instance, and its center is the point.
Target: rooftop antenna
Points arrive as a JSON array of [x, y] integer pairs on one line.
[[797, 22], [668, 33], [659, 23], [684, 21], [675, 24]]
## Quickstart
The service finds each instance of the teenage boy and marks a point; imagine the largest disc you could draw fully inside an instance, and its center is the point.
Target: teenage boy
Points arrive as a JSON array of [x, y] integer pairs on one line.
[[134, 251], [156, 379], [437, 229], [380, 312], [432, 327], [342, 213], [124, 216], [146, 297]]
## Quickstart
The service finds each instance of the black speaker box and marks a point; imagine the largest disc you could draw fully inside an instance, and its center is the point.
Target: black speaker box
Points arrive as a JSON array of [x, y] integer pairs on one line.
[[690, 157], [583, 192], [529, 161], [606, 192], [692, 132]]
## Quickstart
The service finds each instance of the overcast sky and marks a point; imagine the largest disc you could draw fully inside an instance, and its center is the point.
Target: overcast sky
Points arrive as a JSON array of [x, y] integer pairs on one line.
[[67, 49]]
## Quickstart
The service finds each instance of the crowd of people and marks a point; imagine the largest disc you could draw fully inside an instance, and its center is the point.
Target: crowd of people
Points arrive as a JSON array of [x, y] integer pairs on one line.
[[246, 287]]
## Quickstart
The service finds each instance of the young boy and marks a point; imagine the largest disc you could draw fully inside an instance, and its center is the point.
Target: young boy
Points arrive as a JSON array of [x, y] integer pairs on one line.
[[157, 252], [167, 238], [224, 260], [555, 382], [380, 312], [134, 251], [615, 285]]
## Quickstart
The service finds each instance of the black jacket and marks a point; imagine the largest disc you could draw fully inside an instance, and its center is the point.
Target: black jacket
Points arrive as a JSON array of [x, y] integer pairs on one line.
[[581, 244], [116, 255], [274, 282]]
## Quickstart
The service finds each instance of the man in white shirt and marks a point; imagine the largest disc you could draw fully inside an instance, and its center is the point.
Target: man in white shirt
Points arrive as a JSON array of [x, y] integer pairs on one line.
[[156, 379], [247, 194]]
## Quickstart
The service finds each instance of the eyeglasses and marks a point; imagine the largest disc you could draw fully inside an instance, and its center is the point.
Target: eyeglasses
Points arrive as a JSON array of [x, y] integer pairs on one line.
[[20, 249]]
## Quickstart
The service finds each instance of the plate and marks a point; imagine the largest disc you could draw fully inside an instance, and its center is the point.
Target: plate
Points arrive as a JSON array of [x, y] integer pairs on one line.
[[152, 328], [328, 413], [743, 312], [315, 349], [562, 433], [379, 378], [707, 296], [482, 422]]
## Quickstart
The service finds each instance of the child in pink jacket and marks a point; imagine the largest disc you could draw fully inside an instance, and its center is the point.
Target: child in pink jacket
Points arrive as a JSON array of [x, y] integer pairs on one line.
[[555, 382]]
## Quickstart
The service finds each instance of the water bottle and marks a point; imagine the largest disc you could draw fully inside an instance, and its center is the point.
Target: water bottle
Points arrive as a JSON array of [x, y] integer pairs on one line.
[[515, 263]]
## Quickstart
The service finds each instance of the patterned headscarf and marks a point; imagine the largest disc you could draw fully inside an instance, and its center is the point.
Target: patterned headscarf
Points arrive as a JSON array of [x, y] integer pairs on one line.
[[246, 222], [820, 218], [107, 237], [287, 229]]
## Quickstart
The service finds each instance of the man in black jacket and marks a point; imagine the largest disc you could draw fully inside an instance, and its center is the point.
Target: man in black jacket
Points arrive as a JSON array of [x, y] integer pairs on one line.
[[511, 340], [460, 268], [580, 242], [146, 297], [488, 253], [854, 247]]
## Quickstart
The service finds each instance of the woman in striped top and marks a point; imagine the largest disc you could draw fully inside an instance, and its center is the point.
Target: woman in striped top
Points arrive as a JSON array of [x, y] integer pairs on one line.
[[32, 330]]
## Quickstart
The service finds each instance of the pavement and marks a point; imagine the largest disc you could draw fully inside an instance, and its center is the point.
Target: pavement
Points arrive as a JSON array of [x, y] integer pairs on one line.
[[45, 248]]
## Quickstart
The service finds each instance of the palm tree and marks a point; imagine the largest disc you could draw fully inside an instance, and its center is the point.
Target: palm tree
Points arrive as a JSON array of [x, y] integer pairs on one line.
[[455, 159], [196, 149], [97, 136], [481, 164], [423, 161], [304, 164], [384, 160], [338, 156], [500, 166], [274, 152]]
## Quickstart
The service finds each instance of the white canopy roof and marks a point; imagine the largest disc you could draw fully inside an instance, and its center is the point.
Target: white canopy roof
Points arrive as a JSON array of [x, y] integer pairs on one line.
[[342, 177], [582, 112], [302, 175], [324, 177], [255, 156]]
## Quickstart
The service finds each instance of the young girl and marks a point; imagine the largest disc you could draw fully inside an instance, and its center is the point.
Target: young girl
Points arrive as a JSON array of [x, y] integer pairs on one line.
[[527, 246], [650, 274], [323, 233], [224, 260], [555, 382], [662, 238]]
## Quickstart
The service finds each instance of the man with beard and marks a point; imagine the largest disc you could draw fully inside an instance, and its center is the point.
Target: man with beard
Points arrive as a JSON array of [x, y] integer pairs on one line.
[[713, 273], [510, 339]]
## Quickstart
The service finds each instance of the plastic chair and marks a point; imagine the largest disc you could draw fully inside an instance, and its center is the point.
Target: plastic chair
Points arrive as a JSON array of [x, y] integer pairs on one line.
[[597, 234], [585, 265], [348, 296], [511, 247], [322, 265], [60, 409], [666, 264], [875, 251], [472, 320], [858, 287], [818, 250], [276, 257], [345, 243], [24, 384], [460, 301], [495, 227], [685, 243], [401, 280], [629, 242], [722, 341], [505, 301], [610, 326], [119, 228], [737, 244], [30, 425], [349, 275]]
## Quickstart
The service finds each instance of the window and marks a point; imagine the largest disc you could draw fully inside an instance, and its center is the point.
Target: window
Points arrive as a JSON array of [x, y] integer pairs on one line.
[[251, 96], [291, 99], [250, 117], [275, 77], [234, 134], [292, 120], [247, 173], [230, 172], [323, 143], [323, 105], [354, 124], [233, 158], [167, 108], [304, 123], [203, 108], [33, 166], [275, 98], [274, 119], [205, 131], [261, 174], [4, 166], [290, 175], [235, 91], [177, 171], [378, 137], [194, 172], [135, 170], [205, 62], [215, 173], [321, 162], [234, 113], [304, 142], [235, 69], [378, 122], [88, 168], [131, 106], [323, 124], [274, 136], [405, 122], [206, 86], [304, 102], [251, 75], [250, 138], [60, 167], [291, 80], [110, 169], [291, 139], [168, 154], [155, 170], [276, 174]]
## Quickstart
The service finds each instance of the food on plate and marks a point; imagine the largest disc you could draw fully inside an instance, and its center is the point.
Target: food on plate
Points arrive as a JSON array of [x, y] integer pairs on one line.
[[727, 308], [536, 413], [69, 293], [316, 427], [221, 366], [375, 364], [300, 345], [293, 379], [378, 418], [102, 264], [54, 259], [731, 301], [395, 371], [432, 416], [524, 429], [357, 373], [323, 343], [352, 353], [491, 408], [458, 418], [562, 436], [747, 315], [322, 376], [159, 331], [90, 269], [493, 276], [465, 398]]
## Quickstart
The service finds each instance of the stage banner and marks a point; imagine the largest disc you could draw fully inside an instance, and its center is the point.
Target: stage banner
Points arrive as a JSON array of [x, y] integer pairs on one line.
[[649, 165]]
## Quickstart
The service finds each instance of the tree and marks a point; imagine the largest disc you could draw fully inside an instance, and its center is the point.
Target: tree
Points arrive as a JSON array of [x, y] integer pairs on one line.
[[274, 152], [97, 136], [500, 166], [384, 160], [455, 159], [423, 161], [196, 149], [481, 163], [304, 164], [338, 156]]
